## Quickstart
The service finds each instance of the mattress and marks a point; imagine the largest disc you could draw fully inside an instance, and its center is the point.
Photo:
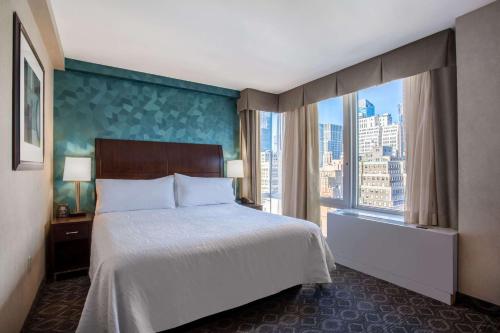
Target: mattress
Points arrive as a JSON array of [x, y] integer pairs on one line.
[[158, 269]]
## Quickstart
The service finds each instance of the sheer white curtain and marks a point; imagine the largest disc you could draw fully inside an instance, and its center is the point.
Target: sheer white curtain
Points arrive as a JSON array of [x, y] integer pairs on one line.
[[300, 180]]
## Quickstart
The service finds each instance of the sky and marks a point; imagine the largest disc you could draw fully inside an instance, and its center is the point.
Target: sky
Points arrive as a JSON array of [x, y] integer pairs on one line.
[[385, 97]]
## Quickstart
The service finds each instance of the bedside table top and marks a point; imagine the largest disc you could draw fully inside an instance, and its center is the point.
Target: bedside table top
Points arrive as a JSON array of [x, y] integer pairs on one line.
[[73, 219]]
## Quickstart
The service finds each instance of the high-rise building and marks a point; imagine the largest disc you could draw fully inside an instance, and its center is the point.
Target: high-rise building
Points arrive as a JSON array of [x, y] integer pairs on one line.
[[381, 158], [365, 108], [330, 176], [391, 137], [270, 176], [382, 179], [265, 172], [379, 131], [270, 161], [330, 142], [266, 131]]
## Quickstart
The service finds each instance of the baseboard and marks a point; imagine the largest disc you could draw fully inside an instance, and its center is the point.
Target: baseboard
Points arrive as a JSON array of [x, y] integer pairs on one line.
[[479, 305], [395, 279]]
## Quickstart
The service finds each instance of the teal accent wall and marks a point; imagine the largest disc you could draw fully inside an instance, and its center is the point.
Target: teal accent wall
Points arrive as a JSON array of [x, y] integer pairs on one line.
[[94, 101]]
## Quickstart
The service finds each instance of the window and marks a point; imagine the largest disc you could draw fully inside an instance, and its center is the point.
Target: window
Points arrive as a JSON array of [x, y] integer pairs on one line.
[[380, 147], [367, 128], [271, 125], [331, 154], [331, 147]]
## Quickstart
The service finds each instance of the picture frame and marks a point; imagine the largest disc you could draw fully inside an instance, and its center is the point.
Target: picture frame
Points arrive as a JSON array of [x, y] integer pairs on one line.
[[62, 210], [28, 99]]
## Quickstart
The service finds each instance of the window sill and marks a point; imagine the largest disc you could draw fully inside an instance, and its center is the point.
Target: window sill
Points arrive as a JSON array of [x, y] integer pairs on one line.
[[394, 219], [373, 216]]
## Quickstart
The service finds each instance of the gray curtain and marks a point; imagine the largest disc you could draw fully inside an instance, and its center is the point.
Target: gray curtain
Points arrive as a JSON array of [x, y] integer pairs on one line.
[[300, 162], [444, 111], [250, 154], [430, 118]]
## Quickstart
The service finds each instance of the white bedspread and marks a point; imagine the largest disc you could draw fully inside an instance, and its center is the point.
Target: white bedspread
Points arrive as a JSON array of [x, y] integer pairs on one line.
[[158, 269]]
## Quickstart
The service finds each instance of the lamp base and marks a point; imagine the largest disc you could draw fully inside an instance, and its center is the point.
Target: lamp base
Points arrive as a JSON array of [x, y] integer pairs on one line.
[[78, 212]]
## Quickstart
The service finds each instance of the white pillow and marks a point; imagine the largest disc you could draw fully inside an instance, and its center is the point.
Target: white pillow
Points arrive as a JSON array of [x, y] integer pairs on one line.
[[124, 194], [197, 191]]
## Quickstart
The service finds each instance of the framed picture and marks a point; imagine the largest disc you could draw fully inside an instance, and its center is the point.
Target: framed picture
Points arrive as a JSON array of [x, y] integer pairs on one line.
[[62, 210], [28, 82]]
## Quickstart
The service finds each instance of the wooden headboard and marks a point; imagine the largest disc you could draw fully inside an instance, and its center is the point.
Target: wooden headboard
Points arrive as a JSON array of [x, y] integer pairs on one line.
[[127, 159]]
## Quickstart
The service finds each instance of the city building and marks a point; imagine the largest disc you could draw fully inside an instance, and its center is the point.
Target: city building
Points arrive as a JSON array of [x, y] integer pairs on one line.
[[270, 161], [377, 131], [331, 160], [382, 179], [381, 158], [391, 137], [265, 131], [270, 173], [330, 176], [365, 108], [330, 142]]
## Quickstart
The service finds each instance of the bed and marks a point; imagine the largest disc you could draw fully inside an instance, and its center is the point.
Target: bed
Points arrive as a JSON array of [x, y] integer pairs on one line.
[[157, 269]]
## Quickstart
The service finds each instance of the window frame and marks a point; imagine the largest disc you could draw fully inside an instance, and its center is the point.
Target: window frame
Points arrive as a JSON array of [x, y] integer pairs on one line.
[[346, 200], [350, 199], [271, 163]]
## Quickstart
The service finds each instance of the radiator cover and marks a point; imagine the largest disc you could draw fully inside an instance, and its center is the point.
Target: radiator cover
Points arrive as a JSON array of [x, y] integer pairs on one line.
[[422, 260]]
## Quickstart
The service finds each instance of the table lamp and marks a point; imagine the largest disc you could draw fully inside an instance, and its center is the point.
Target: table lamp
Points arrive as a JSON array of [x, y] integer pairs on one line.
[[235, 170], [77, 169]]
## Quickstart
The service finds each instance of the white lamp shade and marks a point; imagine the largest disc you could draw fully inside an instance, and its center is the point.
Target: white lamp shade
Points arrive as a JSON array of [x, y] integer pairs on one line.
[[235, 169], [77, 169]]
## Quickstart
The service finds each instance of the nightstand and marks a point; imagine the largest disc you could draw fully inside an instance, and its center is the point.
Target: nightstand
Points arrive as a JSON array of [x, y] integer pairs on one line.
[[250, 205], [70, 244]]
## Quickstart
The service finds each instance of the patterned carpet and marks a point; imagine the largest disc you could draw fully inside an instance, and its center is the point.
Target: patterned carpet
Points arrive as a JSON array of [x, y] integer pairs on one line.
[[354, 302]]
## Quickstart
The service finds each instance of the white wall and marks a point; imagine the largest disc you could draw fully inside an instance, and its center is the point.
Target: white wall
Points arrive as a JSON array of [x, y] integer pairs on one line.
[[25, 196], [478, 66]]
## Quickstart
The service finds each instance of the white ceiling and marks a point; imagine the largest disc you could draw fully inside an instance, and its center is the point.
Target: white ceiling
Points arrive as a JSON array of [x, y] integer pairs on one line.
[[271, 45]]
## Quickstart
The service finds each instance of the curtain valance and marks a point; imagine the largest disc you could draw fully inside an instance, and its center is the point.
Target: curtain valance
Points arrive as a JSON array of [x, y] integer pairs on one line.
[[432, 52], [291, 99], [322, 88], [365, 74], [252, 99]]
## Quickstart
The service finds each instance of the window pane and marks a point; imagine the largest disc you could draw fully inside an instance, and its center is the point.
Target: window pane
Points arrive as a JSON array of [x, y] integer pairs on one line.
[[381, 147], [331, 143], [270, 160]]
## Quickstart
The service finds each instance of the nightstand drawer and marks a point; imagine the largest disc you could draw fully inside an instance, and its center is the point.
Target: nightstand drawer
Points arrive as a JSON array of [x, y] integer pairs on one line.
[[70, 231]]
